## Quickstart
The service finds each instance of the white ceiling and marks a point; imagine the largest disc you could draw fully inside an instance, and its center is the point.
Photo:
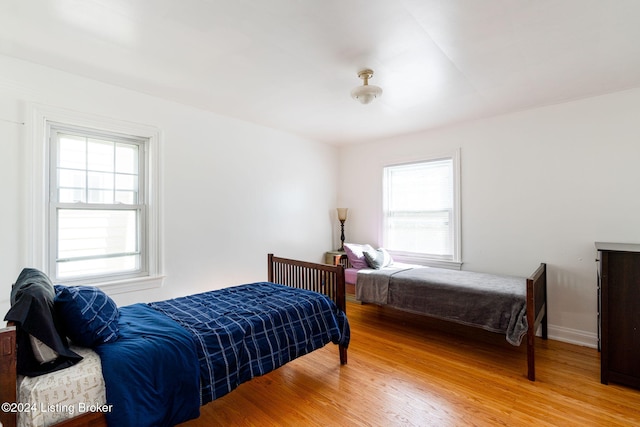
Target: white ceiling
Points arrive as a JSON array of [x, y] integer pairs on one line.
[[290, 64]]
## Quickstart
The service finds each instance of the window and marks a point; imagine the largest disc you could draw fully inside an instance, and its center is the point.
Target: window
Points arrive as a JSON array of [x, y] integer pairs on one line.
[[421, 210], [97, 207], [96, 216]]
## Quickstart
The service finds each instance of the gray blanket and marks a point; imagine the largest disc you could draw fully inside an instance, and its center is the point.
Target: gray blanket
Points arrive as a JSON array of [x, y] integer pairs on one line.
[[492, 302]]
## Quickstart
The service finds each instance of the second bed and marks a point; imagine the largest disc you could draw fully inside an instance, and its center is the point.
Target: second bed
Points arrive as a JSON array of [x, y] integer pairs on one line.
[[512, 306]]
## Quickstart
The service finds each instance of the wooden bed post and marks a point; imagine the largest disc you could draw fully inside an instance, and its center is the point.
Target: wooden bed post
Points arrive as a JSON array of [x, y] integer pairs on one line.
[[536, 314], [270, 268], [531, 332], [545, 318], [8, 374], [341, 301]]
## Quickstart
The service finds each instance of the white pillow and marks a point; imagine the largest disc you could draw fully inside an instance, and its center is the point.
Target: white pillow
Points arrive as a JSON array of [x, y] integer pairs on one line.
[[42, 352], [377, 258], [355, 253]]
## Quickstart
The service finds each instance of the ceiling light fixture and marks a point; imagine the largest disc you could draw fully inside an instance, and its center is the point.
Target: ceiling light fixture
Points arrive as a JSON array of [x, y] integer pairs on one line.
[[366, 93]]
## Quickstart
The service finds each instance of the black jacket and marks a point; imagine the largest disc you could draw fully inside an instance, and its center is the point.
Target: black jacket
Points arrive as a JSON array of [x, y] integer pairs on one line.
[[32, 310]]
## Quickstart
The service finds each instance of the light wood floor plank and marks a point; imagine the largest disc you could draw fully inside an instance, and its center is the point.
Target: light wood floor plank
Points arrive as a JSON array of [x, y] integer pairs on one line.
[[413, 371]]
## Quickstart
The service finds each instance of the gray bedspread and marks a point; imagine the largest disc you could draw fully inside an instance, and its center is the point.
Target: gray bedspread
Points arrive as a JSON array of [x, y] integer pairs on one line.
[[492, 302]]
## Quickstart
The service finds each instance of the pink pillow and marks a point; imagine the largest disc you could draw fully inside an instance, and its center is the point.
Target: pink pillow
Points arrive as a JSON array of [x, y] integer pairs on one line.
[[355, 253]]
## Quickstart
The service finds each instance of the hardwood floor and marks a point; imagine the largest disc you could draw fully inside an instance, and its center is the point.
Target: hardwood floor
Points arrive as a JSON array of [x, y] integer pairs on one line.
[[410, 370]]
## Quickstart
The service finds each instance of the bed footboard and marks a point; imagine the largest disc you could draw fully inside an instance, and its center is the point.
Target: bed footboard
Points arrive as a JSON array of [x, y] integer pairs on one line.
[[536, 314], [322, 278]]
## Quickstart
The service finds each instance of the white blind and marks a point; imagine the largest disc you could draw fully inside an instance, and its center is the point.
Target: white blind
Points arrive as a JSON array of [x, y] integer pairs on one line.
[[419, 208]]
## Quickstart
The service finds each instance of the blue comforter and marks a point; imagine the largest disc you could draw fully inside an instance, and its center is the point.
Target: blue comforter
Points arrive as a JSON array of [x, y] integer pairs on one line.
[[172, 356], [249, 330], [151, 372]]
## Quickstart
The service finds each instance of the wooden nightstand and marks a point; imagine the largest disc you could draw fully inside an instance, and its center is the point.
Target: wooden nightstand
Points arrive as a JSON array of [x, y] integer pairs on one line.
[[333, 257], [340, 257]]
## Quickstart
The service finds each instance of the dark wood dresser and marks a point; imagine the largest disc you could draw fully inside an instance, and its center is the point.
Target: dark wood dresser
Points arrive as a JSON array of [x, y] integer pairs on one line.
[[619, 313]]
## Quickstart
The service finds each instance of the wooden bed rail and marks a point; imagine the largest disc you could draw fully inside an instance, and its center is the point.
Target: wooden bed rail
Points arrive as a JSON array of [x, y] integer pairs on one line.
[[322, 278]]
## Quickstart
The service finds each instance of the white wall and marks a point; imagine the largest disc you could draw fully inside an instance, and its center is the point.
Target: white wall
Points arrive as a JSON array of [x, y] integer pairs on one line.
[[537, 186], [233, 191]]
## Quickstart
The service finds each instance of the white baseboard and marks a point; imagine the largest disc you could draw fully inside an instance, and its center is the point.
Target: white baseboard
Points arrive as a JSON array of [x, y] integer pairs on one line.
[[572, 336]]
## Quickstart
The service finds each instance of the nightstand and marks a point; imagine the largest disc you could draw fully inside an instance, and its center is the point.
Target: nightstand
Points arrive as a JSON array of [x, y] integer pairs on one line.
[[340, 258], [333, 257]]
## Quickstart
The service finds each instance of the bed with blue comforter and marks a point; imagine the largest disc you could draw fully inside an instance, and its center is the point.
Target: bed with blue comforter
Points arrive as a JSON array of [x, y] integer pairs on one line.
[[172, 356], [161, 361]]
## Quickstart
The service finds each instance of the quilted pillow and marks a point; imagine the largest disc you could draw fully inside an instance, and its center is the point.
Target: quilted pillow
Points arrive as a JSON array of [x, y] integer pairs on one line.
[[355, 253], [88, 316], [377, 258]]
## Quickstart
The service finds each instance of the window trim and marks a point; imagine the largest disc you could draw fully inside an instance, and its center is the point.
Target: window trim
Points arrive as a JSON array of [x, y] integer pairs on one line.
[[418, 258], [38, 169]]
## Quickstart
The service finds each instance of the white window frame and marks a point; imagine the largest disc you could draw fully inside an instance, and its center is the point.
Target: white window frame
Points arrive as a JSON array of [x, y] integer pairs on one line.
[[39, 169], [455, 260]]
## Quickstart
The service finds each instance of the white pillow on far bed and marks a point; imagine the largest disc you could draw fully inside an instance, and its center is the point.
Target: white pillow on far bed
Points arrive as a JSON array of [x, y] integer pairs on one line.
[[377, 258]]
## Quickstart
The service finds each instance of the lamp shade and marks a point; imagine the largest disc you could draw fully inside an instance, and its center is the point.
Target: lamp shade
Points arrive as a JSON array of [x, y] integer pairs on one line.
[[342, 214], [366, 93]]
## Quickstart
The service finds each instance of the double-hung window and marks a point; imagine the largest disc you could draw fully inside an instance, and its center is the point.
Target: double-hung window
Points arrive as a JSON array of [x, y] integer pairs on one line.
[[95, 212], [421, 210], [98, 215]]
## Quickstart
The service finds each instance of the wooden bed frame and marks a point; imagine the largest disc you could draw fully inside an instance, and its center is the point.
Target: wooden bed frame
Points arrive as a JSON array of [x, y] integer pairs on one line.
[[536, 302], [326, 279]]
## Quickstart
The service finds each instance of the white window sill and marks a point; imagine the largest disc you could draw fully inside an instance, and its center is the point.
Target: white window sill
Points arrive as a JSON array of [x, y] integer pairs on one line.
[[426, 261], [130, 285]]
